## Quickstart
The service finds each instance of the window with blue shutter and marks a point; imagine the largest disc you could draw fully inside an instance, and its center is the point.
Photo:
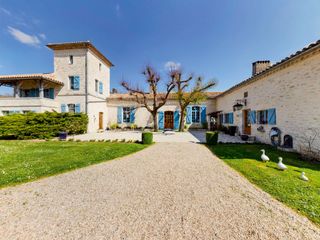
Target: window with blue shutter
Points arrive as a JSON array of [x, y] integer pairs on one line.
[[132, 114], [63, 108], [119, 115], [74, 82], [231, 118], [188, 115], [203, 114], [161, 120], [51, 93], [100, 87], [176, 119], [77, 108], [272, 119], [253, 117]]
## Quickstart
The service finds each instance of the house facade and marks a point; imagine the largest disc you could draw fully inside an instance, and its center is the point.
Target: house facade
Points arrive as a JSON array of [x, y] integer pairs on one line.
[[277, 104]]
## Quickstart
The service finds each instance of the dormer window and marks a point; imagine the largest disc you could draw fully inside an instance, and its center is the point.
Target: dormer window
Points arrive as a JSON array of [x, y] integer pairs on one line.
[[99, 66], [70, 59]]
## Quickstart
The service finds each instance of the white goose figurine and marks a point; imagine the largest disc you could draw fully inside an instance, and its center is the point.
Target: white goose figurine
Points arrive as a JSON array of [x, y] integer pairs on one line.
[[281, 166], [264, 157], [304, 177]]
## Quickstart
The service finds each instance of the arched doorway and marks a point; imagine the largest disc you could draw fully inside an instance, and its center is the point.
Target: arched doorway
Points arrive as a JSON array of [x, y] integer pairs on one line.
[[168, 120]]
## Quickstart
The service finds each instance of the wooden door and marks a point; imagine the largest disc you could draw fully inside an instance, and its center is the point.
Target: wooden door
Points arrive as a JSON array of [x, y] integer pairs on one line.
[[100, 120], [246, 122], [168, 120]]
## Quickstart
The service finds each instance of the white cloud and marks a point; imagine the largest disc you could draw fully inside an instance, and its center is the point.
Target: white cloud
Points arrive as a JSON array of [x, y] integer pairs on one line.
[[6, 11], [24, 38], [172, 65], [43, 36]]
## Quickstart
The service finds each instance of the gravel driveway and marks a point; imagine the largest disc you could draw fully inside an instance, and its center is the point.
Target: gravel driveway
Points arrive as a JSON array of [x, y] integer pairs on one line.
[[167, 191]]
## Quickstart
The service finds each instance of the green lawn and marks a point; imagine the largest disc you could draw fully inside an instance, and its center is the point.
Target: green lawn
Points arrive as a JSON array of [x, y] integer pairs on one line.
[[22, 161], [283, 185]]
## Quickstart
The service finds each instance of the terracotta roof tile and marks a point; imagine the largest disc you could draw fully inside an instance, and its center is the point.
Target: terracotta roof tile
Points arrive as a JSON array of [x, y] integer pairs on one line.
[[44, 76]]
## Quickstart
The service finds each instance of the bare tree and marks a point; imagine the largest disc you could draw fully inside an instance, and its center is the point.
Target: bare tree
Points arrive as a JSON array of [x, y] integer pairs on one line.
[[309, 144], [195, 95], [152, 100]]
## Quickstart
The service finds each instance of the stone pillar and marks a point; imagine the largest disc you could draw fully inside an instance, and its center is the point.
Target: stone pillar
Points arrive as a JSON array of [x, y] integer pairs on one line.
[[41, 95]]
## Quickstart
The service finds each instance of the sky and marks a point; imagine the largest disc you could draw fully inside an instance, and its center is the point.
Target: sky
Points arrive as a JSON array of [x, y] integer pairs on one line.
[[213, 39]]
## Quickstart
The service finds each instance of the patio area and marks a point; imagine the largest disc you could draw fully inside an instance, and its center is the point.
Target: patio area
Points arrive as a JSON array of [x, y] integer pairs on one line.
[[196, 136]]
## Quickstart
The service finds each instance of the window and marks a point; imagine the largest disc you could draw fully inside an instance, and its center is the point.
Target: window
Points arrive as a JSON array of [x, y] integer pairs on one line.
[[100, 87], [126, 114], [48, 93], [96, 85], [268, 116], [195, 114], [72, 108], [245, 94], [70, 59], [263, 117], [228, 118], [74, 82], [100, 66], [29, 92]]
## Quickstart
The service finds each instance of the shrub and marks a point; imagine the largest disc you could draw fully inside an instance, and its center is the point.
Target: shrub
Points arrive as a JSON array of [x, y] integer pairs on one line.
[[114, 126], [212, 138], [147, 137], [133, 126], [42, 125]]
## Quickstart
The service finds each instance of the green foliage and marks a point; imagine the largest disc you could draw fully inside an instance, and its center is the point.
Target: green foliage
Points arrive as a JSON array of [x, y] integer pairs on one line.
[[114, 126], [22, 161], [147, 138], [212, 138], [285, 186], [41, 125], [133, 126]]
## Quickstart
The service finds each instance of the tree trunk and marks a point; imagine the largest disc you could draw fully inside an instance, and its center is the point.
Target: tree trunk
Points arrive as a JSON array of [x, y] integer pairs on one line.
[[182, 116], [155, 122]]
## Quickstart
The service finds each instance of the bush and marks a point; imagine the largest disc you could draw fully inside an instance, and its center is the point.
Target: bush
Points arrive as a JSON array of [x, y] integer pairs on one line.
[[212, 138], [42, 125], [133, 126], [147, 138], [114, 126]]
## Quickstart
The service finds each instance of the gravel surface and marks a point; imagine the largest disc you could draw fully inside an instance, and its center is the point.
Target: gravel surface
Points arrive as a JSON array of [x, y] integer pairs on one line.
[[167, 191]]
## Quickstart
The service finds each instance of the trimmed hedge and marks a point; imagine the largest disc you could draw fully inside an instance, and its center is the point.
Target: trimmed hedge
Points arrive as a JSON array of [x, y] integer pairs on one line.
[[212, 138], [147, 138], [41, 125]]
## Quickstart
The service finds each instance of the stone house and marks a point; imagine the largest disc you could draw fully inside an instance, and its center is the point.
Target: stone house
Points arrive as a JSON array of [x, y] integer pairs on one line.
[[278, 103]]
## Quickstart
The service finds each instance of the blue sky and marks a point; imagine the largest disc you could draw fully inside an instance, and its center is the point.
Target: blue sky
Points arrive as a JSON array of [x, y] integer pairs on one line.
[[214, 39]]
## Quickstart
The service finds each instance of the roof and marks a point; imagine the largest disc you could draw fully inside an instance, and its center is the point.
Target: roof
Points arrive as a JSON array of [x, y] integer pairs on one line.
[[80, 45], [127, 96], [277, 66], [37, 76]]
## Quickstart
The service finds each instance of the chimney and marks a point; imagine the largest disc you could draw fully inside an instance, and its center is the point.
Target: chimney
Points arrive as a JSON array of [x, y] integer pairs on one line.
[[260, 66]]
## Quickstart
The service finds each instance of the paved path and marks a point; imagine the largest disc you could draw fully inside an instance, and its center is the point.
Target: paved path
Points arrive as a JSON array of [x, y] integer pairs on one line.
[[167, 191]]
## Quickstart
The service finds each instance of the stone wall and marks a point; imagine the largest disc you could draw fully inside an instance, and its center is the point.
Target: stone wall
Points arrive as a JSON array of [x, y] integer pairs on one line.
[[295, 93]]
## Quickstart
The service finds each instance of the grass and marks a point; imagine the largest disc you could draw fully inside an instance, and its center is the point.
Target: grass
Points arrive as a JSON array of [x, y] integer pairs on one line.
[[285, 186], [22, 161]]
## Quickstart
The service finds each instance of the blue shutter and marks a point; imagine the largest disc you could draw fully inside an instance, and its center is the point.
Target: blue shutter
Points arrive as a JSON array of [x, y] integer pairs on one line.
[[119, 115], [63, 108], [132, 114], [51, 93], [176, 119], [252, 115], [32, 93], [76, 82], [272, 119], [203, 114], [160, 120], [77, 108], [100, 87], [189, 115], [231, 118]]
